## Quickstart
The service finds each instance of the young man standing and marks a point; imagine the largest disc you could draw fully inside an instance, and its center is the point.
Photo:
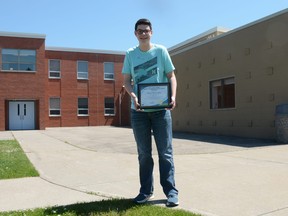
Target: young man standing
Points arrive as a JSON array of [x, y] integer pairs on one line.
[[151, 63]]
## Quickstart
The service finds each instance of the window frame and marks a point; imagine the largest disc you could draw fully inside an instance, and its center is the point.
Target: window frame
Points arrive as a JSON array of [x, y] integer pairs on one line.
[[54, 109], [52, 71], [109, 73], [109, 108], [79, 109], [221, 91], [82, 72], [19, 62]]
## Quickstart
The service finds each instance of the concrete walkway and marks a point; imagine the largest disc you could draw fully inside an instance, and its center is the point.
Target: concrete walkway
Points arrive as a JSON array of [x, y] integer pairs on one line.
[[223, 176]]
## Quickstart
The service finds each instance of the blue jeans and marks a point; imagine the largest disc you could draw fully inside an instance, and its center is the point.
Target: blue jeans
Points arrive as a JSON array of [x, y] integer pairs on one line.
[[160, 122]]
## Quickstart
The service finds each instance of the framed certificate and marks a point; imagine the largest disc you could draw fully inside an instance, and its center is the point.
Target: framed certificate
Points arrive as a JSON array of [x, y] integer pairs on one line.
[[154, 95]]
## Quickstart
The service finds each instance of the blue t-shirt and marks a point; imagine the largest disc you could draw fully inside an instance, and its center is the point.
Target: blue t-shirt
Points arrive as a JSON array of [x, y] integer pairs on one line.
[[151, 66]]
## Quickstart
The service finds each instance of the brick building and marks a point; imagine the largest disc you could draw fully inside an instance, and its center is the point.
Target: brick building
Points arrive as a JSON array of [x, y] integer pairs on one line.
[[59, 87], [230, 82]]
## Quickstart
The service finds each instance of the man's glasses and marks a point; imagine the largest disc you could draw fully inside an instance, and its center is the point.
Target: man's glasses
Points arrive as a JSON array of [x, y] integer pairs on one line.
[[140, 31]]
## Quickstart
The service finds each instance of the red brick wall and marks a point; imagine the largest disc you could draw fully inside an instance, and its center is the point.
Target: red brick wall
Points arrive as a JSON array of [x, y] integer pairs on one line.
[[68, 88], [24, 85], [38, 87]]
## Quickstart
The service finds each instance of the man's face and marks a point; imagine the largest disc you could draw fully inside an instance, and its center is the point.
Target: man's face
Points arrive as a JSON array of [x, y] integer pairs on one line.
[[143, 33]]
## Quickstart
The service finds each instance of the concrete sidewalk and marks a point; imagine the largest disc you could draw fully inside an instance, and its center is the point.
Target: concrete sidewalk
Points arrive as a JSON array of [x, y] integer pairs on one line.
[[223, 176]]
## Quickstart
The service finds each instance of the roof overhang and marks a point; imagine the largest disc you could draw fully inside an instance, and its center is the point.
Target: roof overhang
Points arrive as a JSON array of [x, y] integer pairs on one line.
[[96, 51], [22, 35]]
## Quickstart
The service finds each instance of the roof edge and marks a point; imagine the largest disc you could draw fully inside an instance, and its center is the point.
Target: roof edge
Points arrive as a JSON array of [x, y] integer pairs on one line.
[[184, 46], [200, 36], [22, 35], [68, 49]]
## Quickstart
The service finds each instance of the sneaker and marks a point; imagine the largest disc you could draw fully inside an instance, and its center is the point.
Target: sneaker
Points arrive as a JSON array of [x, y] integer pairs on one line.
[[142, 198], [172, 200]]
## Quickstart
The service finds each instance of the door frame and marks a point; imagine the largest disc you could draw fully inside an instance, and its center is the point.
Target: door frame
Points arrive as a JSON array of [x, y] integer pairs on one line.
[[36, 112]]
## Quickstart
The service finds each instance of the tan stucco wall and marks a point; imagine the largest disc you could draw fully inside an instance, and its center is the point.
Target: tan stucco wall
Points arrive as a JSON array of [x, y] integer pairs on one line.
[[256, 55]]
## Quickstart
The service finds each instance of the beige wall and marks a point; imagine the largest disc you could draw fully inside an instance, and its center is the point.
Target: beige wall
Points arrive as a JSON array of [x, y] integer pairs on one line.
[[256, 55]]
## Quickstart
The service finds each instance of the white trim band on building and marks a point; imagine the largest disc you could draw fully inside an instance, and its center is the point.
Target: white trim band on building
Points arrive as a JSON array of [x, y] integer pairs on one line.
[[22, 35], [67, 49]]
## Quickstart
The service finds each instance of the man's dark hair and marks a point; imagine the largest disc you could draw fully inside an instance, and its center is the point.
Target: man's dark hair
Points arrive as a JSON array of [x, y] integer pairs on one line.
[[143, 22]]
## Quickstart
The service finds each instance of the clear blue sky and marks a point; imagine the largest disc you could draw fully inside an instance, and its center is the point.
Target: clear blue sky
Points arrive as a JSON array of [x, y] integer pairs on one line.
[[109, 24]]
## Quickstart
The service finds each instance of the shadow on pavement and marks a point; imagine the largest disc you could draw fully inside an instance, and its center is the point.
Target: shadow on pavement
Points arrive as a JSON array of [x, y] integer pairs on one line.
[[225, 140]]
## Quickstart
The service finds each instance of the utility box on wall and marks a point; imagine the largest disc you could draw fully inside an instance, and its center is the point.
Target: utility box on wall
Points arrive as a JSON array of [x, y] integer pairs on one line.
[[282, 123]]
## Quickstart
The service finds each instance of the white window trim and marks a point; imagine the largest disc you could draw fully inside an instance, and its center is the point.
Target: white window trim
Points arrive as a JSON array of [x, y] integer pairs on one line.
[[109, 73], [83, 72], [105, 114], [83, 114], [79, 109], [19, 71], [51, 77], [52, 115], [105, 109]]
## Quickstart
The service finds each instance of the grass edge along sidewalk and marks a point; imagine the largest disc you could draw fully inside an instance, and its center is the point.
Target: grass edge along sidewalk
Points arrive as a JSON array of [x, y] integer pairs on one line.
[[15, 164], [112, 207]]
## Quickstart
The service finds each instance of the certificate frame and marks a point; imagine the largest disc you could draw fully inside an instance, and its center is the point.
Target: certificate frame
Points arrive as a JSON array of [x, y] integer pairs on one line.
[[154, 95]]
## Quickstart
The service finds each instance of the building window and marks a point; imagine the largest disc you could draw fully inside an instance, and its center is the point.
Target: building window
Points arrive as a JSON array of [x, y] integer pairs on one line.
[[82, 70], [18, 60], [108, 71], [83, 107], [54, 107], [109, 107], [222, 93], [54, 68]]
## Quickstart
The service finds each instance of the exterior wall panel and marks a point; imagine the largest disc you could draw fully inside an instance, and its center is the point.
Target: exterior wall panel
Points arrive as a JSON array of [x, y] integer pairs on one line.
[[38, 87], [256, 56], [17, 85], [69, 88]]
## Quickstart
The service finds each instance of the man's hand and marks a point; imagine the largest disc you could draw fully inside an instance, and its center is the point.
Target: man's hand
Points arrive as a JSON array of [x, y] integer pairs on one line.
[[136, 104], [172, 104]]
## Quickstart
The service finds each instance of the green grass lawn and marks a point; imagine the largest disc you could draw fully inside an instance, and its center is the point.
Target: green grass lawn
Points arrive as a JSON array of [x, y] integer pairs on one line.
[[115, 207], [13, 161], [15, 164]]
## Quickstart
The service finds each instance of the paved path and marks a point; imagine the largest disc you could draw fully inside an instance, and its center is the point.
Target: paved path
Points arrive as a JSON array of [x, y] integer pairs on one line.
[[215, 175]]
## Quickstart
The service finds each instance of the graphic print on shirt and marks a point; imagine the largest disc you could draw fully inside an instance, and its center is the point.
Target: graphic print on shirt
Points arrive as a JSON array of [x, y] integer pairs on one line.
[[146, 71]]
